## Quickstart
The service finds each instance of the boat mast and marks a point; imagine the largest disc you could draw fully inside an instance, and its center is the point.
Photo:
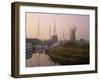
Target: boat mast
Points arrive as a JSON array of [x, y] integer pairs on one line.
[[63, 35], [38, 28], [54, 30], [49, 31]]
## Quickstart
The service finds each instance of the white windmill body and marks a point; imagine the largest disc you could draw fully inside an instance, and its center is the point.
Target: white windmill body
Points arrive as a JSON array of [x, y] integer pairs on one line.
[[72, 34]]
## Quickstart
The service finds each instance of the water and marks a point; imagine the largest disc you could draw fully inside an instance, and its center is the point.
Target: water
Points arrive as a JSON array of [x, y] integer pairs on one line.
[[40, 60]]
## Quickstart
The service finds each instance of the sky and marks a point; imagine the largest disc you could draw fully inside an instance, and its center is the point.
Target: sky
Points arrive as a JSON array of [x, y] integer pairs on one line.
[[64, 23]]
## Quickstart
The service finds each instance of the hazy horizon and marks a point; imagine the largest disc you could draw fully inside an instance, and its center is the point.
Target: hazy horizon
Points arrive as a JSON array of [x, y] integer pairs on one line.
[[63, 24]]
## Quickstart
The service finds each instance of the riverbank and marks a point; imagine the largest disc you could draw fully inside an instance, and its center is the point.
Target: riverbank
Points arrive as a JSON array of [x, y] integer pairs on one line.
[[66, 56]]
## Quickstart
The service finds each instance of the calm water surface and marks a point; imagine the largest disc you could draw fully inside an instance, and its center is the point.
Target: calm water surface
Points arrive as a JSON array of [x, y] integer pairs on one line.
[[40, 59]]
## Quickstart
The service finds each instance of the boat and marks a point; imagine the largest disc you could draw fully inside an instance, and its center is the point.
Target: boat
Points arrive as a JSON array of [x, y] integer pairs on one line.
[[29, 50]]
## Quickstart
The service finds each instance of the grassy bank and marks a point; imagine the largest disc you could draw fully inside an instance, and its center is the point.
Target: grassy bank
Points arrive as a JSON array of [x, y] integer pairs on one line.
[[65, 55]]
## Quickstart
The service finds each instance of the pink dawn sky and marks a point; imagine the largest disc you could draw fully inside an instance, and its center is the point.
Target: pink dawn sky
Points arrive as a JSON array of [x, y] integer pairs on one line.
[[64, 22]]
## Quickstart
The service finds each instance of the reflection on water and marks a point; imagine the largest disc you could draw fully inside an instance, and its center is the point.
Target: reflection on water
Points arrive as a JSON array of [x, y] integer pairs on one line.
[[39, 59]]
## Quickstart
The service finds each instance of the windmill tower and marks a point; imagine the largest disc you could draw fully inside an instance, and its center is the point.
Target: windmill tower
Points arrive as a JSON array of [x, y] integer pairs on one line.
[[72, 34]]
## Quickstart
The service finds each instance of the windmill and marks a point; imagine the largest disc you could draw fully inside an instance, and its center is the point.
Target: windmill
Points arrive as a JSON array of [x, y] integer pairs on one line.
[[72, 34]]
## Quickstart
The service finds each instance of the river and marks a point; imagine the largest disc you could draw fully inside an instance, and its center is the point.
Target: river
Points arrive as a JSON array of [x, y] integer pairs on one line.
[[40, 59]]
